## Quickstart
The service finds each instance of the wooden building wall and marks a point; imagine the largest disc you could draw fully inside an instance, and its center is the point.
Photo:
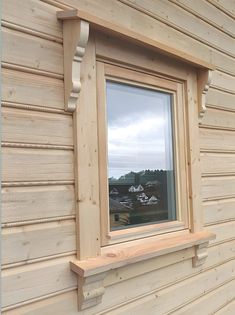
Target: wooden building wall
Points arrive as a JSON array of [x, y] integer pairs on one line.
[[38, 212]]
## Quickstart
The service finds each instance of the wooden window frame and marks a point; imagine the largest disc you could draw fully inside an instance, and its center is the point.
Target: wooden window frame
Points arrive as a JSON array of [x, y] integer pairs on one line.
[[122, 47], [118, 73]]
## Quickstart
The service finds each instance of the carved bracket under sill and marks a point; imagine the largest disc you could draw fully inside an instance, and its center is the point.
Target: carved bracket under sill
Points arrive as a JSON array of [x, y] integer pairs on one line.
[[201, 253], [90, 290], [91, 272], [203, 83], [75, 38]]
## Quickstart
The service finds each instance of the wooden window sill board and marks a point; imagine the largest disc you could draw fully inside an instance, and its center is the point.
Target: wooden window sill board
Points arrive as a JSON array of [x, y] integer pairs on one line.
[[118, 256]]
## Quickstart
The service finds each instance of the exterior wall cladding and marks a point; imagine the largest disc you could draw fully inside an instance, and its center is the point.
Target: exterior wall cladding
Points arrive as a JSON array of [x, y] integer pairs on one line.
[[38, 212]]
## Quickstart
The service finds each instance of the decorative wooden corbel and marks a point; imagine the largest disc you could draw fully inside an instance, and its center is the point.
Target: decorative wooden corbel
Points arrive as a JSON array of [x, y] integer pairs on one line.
[[90, 287], [201, 253], [75, 37], [203, 84]]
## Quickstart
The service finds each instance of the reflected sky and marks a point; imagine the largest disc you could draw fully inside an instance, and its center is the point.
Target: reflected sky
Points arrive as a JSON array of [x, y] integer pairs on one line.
[[139, 129]]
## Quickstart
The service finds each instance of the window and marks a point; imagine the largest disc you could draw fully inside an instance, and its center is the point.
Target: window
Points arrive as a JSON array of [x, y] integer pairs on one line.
[[143, 173], [121, 81]]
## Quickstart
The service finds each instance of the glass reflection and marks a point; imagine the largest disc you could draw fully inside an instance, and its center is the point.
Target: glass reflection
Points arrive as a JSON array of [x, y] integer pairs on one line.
[[140, 156]]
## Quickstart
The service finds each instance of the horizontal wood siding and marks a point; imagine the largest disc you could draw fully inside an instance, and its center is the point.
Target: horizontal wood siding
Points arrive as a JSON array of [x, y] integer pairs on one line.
[[38, 200]]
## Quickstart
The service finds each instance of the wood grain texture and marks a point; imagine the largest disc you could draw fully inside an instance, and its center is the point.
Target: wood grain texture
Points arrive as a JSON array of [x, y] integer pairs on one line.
[[210, 302], [27, 282], [219, 211], [217, 140], [221, 99], [38, 16], [204, 10], [37, 240], [36, 127], [39, 202], [141, 23], [32, 52], [215, 188], [157, 301], [227, 309], [36, 164], [46, 92], [187, 23], [217, 164], [219, 119]]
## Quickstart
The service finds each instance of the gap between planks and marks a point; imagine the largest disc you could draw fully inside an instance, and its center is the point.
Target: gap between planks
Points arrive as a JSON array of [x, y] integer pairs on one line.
[[174, 26]]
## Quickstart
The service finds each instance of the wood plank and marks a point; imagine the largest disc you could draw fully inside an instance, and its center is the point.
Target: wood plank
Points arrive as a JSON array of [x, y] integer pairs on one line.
[[119, 30], [36, 164], [123, 51], [224, 232], [117, 256], [187, 23], [212, 139], [114, 11], [209, 13], [219, 254], [220, 99], [37, 202], [219, 210], [157, 302], [86, 160], [23, 126], [20, 244], [227, 309], [218, 187], [227, 6], [46, 92], [217, 163], [33, 52], [34, 284], [209, 303], [38, 16], [219, 118], [64, 303], [23, 283], [223, 81]]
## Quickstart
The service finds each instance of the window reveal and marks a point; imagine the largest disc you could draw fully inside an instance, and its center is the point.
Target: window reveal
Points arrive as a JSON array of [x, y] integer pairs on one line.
[[140, 156]]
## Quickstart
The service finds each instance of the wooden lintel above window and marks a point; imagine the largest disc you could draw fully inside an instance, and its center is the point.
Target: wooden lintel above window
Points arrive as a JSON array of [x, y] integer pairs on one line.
[[110, 27]]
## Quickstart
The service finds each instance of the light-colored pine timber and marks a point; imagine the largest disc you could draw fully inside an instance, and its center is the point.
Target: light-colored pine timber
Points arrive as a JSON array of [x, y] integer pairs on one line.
[[36, 164], [209, 303], [224, 232], [217, 140], [32, 52], [37, 240], [143, 24], [21, 126], [217, 163], [219, 210], [204, 10], [219, 119], [187, 23], [46, 92], [86, 163], [227, 309], [221, 99], [157, 302], [38, 16], [218, 187], [23, 283], [38, 202]]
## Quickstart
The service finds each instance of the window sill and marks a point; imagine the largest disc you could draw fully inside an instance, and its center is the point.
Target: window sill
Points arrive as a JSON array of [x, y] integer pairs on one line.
[[91, 272]]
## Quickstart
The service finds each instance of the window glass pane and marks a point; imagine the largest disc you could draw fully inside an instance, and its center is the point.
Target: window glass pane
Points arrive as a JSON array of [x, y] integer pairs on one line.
[[140, 156]]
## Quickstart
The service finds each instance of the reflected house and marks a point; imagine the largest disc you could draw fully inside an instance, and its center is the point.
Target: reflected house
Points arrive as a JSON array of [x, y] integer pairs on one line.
[[153, 201], [119, 213], [136, 189]]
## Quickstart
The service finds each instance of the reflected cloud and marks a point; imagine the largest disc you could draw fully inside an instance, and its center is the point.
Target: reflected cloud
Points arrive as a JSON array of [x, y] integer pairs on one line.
[[139, 129]]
